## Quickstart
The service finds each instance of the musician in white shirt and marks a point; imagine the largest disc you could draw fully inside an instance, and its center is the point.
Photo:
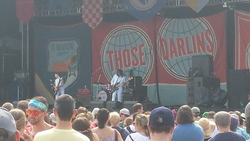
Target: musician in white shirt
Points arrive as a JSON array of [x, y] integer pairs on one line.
[[58, 86], [118, 78]]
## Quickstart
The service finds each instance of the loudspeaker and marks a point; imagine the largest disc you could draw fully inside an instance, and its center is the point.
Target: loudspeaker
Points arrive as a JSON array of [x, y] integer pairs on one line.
[[140, 93], [204, 63], [136, 82], [238, 88], [197, 87], [129, 105], [97, 104], [127, 96], [84, 99], [110, 105]]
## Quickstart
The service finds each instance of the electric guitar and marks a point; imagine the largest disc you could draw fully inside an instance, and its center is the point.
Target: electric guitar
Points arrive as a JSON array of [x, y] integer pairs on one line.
[[57, 87], [115, 87]]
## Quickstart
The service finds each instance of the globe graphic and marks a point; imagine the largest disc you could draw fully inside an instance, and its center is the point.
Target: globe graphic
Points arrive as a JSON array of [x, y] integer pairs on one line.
[[179, 66], [125, 43]]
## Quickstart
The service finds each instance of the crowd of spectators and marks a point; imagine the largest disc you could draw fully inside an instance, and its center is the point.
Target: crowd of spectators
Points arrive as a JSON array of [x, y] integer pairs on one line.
[[32, 120]]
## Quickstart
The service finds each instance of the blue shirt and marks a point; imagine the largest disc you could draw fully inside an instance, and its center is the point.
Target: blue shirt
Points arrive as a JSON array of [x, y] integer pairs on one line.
[[188, 132]]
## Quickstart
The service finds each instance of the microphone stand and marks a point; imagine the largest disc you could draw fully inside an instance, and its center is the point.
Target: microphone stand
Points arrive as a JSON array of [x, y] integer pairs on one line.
[[98, 83], [92, 81]]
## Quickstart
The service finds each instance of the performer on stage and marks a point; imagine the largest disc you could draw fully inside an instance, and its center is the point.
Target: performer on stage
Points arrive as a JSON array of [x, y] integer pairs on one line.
[[118, 79], [58, 86]]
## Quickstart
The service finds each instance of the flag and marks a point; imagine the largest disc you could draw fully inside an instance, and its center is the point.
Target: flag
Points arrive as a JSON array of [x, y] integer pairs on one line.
[[92, 12], [197, 5], [143, 9], [24, 10]]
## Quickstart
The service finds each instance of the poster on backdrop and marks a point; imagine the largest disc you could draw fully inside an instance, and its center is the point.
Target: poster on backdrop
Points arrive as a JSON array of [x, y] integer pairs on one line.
[[64, 50]]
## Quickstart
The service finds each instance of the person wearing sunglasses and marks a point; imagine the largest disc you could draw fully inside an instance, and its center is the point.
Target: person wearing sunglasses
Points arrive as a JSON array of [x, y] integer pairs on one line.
[[64, 110], [37, 110]]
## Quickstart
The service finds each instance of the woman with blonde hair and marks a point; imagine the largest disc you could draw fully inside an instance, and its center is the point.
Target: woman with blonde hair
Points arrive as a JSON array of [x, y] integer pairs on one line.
[[82, 125], [142, 133], [104, 132], [20, 119]]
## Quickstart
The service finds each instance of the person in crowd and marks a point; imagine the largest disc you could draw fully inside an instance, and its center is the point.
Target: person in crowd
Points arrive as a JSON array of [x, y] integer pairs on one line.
[[196, 112], [247, 118], [142, 133], [223, 121], [95, 122], [161, 124], [36, 112], [52, 119], [81, 110], [23, 105], [205, 114], [20, 120], [114, 120], [82, 125], [210, 117], [8, 131], [124, 113], [9, 106], [207, 126], [104, 132], [137, 108], [238, 129], [234, 123], [64, 110], [127, 122], [187, 130], [241, 119]]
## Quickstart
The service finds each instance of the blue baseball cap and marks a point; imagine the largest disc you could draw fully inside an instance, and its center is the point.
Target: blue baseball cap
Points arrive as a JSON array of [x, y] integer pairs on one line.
[[161, 116]]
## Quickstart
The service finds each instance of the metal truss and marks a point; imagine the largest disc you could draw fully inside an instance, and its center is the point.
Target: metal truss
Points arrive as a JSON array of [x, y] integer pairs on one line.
[[109, 6]]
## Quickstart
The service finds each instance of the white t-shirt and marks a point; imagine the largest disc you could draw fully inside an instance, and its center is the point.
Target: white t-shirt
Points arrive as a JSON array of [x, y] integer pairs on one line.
[[60, 135], [137, 137]]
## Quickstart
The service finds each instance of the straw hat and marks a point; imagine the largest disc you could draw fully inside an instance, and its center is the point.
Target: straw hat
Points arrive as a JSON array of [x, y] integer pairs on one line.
[[207, 126]]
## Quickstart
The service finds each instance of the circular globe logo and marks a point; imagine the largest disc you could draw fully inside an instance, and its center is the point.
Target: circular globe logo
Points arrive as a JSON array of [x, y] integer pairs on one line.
[[128, 48], [180, 39], [142, 4]]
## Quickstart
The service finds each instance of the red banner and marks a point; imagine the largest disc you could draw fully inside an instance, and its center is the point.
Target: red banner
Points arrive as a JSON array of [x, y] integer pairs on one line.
[[131, 46], [242, 40], [25, 10]]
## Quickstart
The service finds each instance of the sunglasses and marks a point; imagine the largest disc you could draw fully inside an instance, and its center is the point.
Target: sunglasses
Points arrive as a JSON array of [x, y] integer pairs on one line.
[[33, 113]]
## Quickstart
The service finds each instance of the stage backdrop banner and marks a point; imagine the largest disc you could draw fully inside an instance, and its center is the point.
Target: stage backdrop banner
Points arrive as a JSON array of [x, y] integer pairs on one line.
[[180, 39], [64, 50], [242, 40], [131, 46]]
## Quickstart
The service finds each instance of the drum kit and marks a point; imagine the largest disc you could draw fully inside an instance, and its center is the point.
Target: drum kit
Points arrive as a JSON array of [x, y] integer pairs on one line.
[[104, 94]]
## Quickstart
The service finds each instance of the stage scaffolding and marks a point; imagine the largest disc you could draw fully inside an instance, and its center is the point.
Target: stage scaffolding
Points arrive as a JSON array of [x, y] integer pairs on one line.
[[110, 6]]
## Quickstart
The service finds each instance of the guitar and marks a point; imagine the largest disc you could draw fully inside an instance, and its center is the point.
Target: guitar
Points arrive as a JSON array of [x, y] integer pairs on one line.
[[57, 87], [115, 87]]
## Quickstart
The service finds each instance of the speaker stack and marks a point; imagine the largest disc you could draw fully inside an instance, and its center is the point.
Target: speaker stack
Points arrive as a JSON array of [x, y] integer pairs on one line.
[[84, 97], [238, 88], [201, 79], [139, 91]]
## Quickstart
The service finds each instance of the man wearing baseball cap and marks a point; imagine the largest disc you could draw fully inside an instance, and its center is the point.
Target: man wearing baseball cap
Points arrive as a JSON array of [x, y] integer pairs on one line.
[[161, 124], [124, 113], [8, 131]]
